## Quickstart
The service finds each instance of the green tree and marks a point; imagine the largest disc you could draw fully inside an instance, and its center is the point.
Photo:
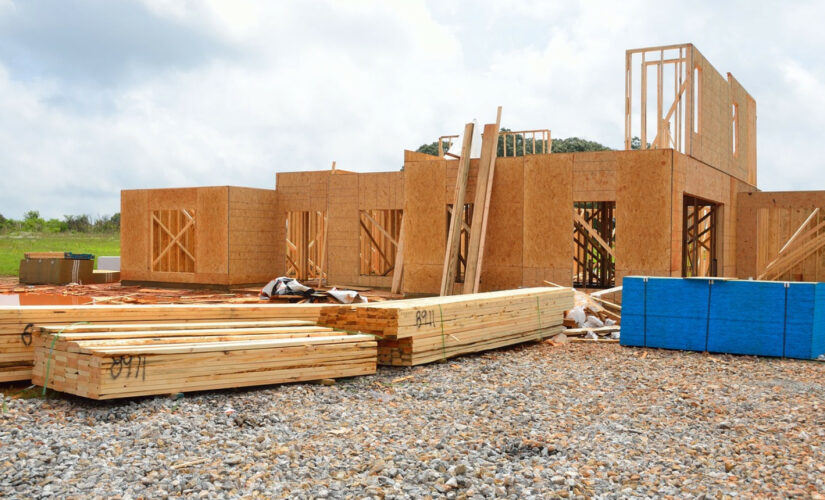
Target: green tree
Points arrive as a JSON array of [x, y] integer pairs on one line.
[[636, 143], [78, 223], [432, 148], [577, 145]]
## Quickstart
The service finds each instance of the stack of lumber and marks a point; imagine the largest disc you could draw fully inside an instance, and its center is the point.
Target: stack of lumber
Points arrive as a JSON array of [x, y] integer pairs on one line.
[[17, 352], [423, 330], [125, 360]]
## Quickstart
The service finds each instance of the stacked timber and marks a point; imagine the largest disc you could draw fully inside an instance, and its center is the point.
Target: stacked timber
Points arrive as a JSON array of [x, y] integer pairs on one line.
[[423, 330], [126, 360], [16, 323]]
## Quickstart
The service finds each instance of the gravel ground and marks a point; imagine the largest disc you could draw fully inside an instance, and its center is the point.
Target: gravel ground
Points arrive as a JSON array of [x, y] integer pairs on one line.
[[534, 421]]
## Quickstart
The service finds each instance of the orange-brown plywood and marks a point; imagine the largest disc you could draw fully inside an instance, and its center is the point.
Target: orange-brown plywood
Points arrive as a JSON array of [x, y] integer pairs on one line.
[[548, 219], [643, 212], [233, 229], [764, 223]]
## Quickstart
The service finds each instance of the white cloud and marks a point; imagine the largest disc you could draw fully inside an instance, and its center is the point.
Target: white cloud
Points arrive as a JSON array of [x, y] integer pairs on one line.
[[258, 87]]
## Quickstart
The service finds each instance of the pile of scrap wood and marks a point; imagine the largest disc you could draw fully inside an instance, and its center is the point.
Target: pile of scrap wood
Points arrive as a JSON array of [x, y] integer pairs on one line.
[[123, 360], [593, 318], [17, 323], [423, 330]]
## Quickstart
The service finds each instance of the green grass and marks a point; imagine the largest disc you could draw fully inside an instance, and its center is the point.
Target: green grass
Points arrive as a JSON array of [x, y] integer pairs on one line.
[[13, 246]]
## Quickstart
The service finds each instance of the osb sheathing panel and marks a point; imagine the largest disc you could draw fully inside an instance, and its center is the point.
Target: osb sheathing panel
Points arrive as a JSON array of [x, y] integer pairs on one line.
[[304, 191], [425, 225], [376, 191], [548, 219], [341, 195], [381, 191], [343, 228], [253, 245], [643, 212], [211, 216], [594, 176], [743, 162], [765, 221], [451, 176], [410, 156], [502, 261], [134, 254], [713, 144], [212, 230]]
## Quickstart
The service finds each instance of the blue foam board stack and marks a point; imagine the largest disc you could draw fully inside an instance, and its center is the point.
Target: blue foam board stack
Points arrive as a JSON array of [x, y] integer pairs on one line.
[[747, 317], [633, 312], [762, 318], [805, 321]]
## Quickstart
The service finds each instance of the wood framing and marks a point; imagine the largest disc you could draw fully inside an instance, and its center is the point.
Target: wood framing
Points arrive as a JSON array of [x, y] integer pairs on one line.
[[699, 242], [352, 201], [306, 241], [697, 111], [379, 241], [680, 200], [594, 236], [531, 214], [208, 235], [782, 236]]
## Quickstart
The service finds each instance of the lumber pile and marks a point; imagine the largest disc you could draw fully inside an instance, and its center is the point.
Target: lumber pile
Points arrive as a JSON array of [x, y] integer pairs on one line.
[[16, 323], [126, 360], [418, 331]]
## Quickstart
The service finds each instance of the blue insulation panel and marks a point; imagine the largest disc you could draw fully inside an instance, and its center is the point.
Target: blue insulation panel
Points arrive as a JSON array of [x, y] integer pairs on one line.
[[747, 317], [677, 313], [728, 316], [633, 312]]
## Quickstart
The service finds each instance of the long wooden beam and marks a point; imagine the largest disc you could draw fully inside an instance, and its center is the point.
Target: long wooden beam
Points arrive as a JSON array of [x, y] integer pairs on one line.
[[454, 234], [398, 272], [481, 209]]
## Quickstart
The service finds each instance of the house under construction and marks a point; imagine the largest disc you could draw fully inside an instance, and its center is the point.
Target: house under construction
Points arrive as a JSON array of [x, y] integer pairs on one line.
[[680, 200]]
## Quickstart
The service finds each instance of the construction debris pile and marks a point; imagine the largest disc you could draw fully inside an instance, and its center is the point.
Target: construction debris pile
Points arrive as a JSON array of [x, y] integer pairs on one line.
[[592, 319]]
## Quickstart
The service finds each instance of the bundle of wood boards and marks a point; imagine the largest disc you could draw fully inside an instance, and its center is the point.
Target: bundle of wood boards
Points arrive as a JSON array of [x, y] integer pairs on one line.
[[116, 361], [16, 323], [423, 330]]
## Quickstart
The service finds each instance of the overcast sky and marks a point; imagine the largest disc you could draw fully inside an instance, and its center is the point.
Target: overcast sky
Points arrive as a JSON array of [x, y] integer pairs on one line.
[[98, 96]]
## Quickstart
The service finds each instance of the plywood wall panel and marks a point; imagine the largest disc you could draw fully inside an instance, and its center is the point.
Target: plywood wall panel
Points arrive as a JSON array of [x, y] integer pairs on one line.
[[502, 262], [212, 230], [134, 233], [425, 225], [765, 221], [255, 251], [643, 212], [548, 219]]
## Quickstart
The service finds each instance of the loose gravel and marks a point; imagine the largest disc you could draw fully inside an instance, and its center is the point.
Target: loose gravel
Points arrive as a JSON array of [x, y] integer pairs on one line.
[[578, 420]]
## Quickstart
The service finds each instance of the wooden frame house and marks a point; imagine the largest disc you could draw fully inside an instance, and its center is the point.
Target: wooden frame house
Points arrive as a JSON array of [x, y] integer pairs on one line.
[[680, 200]]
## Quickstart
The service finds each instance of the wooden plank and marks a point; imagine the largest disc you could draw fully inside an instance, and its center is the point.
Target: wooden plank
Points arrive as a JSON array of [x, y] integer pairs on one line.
[[398, 272], [484, 187], [454, 231], [593, 233]]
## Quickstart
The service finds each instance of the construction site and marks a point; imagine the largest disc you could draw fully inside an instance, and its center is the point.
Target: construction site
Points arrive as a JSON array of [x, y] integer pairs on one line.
[[642, 322]]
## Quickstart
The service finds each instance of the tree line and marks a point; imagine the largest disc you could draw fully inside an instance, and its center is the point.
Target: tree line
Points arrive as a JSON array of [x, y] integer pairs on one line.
[[32, 222]]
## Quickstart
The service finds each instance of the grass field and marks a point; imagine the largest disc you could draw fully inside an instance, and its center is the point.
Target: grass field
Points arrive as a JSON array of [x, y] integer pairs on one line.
[[13, 246]]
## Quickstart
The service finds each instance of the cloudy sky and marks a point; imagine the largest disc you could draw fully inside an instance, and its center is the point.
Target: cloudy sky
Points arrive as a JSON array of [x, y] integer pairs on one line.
[[101, 95]]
